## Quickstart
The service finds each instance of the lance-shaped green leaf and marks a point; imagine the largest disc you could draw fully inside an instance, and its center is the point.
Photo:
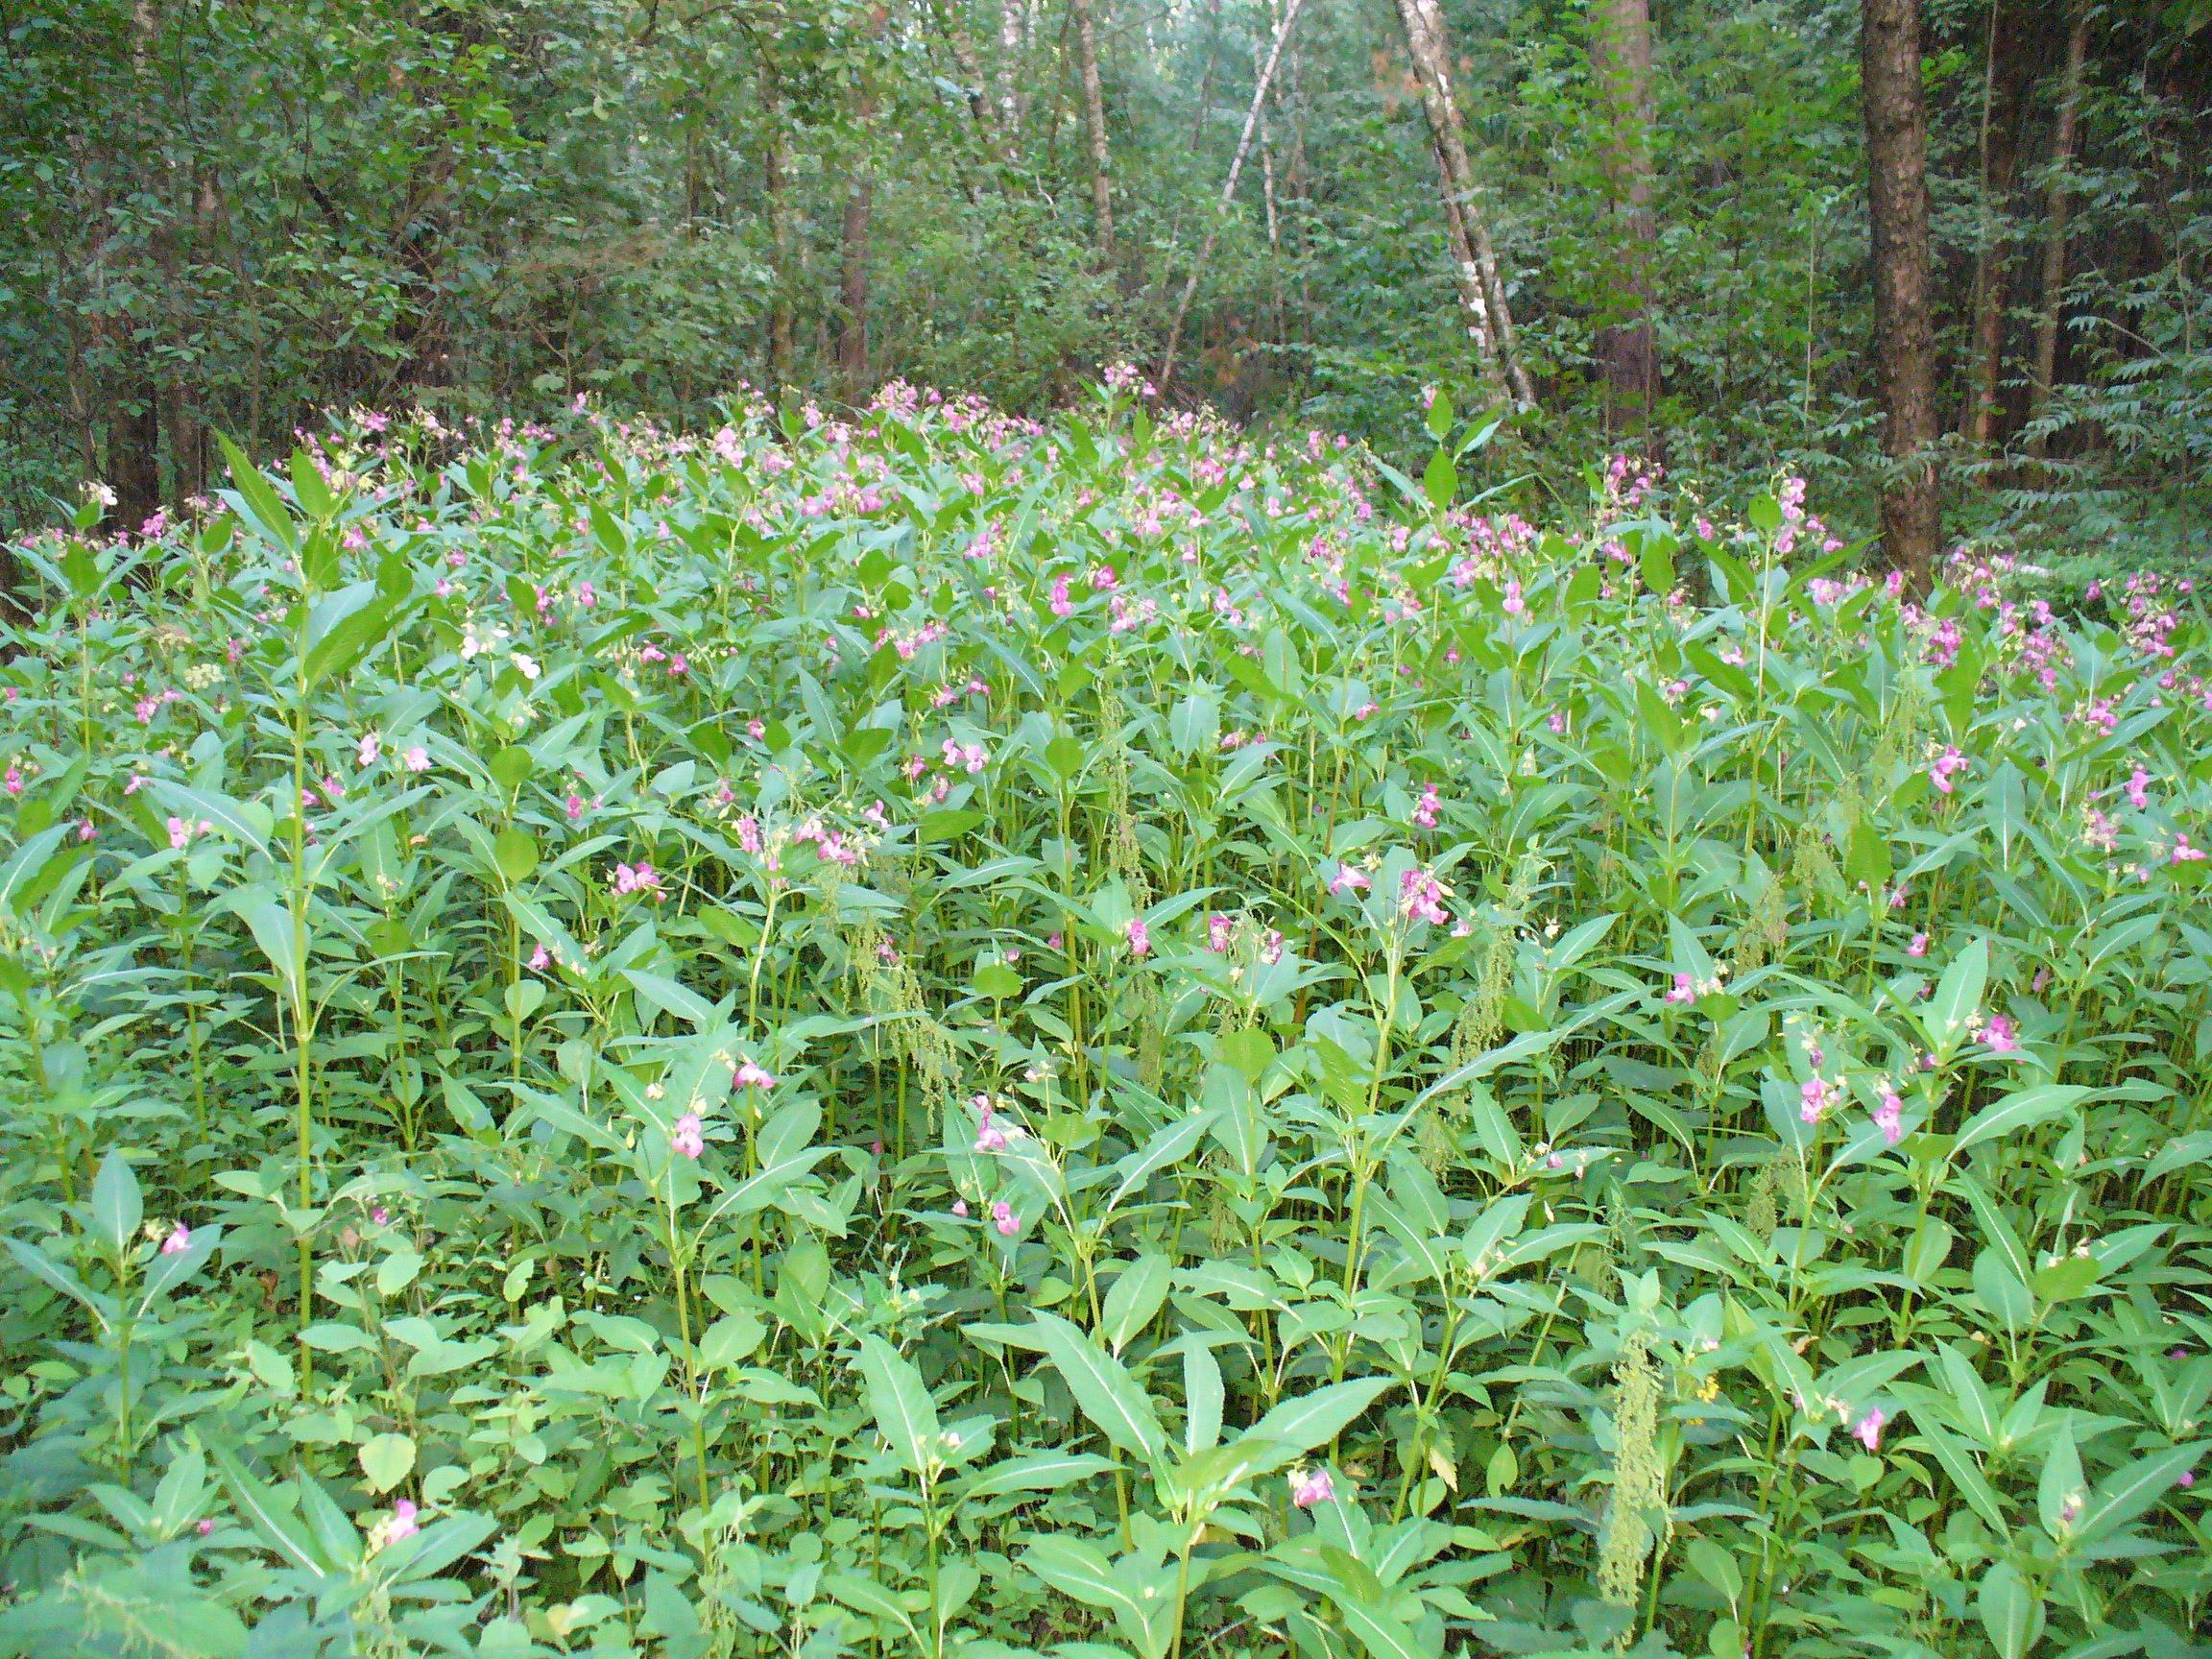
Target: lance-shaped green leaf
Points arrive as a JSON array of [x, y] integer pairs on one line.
[[278, 1527], [900, 1403], [1313, 1419], [1102, 1386], [2128, 1492], [2020, 1110]]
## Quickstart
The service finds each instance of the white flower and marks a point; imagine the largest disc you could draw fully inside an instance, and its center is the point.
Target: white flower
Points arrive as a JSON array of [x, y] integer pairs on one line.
[[524, 665]]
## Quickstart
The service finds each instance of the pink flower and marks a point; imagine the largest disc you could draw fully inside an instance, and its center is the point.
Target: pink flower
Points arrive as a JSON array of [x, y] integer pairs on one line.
[[402, 1523], [574, 806], [1514, 607], [1919, 946], [1060, 604], [179, 1241], [1311, 1486], [1685, 991], [1815, 1096], [205, 1527], [1889, 1118], [748, 1075], [749, 834], [1218, 930], [1869, 1428], [678, 667], [2183, 853], [418, 760], [539, 960], [687, 1141], [1945, 764], [1103, 578], [640, 878], [380, 1215], [1349, 879], [1139, 938], [586, 595], [14, 780], [989, 1138], [756, 729], [371, 747], [1002, 1218], [180, 833], [1558, 725], [1421, 897], [1998, 1035], [2139, 789], [1425, 810], [960, 1208]]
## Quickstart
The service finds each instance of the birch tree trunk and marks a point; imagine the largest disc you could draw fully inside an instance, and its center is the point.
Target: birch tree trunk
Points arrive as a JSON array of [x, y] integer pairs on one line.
[[1621, 72], [2054, 235], [1483, 294], [1904, 327]]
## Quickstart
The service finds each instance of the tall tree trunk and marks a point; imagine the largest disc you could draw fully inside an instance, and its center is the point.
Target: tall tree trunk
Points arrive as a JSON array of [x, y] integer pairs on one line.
[[1904, 328], [1095, 123], [1266, 78], [135, 419], [1483, 294], [1621, 72], [853, 291], [1013, 70], [1992, 265], [2054, 235], [776, 183]]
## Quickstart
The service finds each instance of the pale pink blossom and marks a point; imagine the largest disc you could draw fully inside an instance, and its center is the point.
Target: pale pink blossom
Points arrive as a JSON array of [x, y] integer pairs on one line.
[[1889, 1117], [1869, 1428], [418, 758], [1685, 990], [371, 747], [749, 1076], [1311, 1486], [1815, 1097], [1002, 1218], [1139, 938], [2000, 1036], [1919, 946], [687, 1140], [179, 1241]]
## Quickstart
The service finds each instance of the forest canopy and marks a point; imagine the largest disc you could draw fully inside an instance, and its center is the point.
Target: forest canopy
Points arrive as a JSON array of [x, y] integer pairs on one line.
[[226, 217]]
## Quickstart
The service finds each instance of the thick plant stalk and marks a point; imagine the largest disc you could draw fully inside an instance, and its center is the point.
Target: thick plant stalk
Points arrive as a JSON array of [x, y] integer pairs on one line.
[[1095, 123], [1904, 326], [2055, 236], [1483, 294], [1620, 73], [1228, 191]]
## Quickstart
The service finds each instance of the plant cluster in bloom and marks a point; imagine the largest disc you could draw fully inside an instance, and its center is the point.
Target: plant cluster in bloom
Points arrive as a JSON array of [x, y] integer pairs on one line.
[[916, 1032]]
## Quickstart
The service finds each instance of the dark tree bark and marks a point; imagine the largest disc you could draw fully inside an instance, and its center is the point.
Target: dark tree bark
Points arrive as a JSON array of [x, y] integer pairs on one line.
[[1903, 327], [852, 292], [1620, 71], [2054, 235], [1992, 263]]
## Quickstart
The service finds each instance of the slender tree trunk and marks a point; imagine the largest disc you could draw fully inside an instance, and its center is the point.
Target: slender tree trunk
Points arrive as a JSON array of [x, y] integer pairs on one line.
[[1992, 268], [853, 291], [1904, 327], [1013, 70], [1228, 191], [1095, 123], [1483, 294], [2055, 236], [776, 173], [1620, 71]]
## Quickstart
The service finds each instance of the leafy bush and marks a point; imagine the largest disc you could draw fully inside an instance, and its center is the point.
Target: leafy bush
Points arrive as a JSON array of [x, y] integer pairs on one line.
[[958, 1037]]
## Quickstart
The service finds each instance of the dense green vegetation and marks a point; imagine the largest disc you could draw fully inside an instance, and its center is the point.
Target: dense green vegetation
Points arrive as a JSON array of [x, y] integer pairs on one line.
[[228, 216], [939, 1035]]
